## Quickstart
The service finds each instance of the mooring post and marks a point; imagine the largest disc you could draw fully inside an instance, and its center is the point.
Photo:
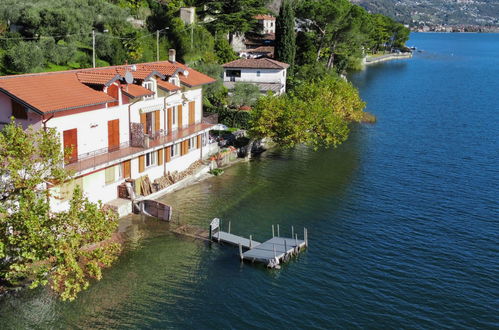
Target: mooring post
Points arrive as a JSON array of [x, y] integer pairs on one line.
[[292, 231], [273, 248], [278, 231], [296, 239], [241, 251], [306, 237], [285, 247], [229, 227], [250, 242], [272, 231]]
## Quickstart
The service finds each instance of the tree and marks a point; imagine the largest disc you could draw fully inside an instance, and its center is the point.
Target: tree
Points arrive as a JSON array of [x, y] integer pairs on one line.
[[36, 245], [244, 94], [285, 39], [231, 16], [315, 114], [224, 51]]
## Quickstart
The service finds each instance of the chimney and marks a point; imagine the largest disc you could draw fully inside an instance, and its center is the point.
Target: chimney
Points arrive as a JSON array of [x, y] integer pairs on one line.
[[171, 55]]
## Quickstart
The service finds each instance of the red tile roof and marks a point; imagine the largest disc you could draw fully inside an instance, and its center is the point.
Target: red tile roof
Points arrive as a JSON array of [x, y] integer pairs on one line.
[[264, 17], [135, 90], [56, 91], [167, 85], [262, 49], [52, 92], [256, 63]]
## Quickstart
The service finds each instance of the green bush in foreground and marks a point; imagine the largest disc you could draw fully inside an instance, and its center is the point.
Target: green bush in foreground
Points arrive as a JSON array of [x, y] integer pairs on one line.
[[65, 250]]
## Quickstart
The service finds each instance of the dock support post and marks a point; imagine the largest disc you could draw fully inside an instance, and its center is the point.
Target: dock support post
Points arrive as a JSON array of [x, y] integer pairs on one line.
[[250, 245], [273, 231], [305, 236], [241, 251], [285, 247], [278, 231], [229, 227], [292, 231]]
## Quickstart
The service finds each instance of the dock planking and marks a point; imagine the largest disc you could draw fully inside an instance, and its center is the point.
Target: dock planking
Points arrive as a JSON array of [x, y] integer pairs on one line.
[[271, 252]]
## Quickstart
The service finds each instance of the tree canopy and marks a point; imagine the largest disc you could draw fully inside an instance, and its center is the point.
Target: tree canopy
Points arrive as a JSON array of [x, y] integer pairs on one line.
[[285, 39], [65, 249], [316, 113]]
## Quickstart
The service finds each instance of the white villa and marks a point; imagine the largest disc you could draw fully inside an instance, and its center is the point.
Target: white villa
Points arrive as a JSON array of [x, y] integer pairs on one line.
[[122, 122], [267, 22], [266, 73]]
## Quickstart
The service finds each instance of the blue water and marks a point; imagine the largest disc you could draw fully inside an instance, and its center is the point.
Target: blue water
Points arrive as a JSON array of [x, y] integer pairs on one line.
[[403, 220]]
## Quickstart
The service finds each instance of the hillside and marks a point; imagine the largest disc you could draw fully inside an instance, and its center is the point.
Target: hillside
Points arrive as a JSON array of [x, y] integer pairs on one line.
[[436, 12]]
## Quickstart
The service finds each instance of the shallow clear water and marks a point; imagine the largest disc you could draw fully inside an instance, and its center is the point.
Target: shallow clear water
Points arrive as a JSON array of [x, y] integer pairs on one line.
[[403, 220]]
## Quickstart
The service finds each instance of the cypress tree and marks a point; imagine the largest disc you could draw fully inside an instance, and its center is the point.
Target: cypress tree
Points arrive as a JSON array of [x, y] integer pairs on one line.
[[285, 40]]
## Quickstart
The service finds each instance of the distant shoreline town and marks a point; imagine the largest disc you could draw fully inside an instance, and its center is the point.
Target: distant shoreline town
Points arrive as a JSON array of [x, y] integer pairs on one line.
[[456, 28]]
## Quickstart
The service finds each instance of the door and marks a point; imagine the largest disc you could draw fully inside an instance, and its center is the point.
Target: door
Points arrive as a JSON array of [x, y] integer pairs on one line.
[[169, 120], [113, 135], [149, 127], [70, 141], [192, 113]]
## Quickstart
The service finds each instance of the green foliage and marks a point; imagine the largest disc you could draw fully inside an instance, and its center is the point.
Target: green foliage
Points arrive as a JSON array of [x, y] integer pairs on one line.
[[285, 39], [234, 16], [244, 94], [224, 51], [214, 95], [65, 248], [315, 114]]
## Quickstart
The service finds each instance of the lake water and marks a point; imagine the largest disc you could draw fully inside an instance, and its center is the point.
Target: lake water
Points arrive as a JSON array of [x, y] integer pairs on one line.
[[403, 220]]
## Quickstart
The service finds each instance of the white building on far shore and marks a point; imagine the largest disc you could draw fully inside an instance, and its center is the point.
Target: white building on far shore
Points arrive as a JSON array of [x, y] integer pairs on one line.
[[266, 73]]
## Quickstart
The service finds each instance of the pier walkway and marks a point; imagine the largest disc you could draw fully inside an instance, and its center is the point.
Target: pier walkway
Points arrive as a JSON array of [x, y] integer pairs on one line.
[[271, 252]]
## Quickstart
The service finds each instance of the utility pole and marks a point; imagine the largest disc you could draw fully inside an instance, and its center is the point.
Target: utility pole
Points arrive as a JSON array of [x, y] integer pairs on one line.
[[192, 35], [157, 45], [93, 47]]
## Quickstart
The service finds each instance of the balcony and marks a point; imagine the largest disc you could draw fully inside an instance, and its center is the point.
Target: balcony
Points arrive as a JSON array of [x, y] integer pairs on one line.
[[104, 156]]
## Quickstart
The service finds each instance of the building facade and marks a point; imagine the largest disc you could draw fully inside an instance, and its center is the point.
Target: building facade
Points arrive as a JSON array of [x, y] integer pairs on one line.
[[266, 73], [267, 23], [118, 122]]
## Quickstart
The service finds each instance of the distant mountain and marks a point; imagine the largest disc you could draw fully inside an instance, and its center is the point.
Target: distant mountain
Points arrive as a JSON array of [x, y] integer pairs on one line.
[[436, 12]]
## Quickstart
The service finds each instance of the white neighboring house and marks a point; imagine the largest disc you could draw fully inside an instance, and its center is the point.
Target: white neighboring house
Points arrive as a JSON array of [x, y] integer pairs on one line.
[[121, 122], [267, 22], [266, 73]]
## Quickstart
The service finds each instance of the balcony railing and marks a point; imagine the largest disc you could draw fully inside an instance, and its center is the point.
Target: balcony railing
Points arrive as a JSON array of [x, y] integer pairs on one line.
[[103, 156]]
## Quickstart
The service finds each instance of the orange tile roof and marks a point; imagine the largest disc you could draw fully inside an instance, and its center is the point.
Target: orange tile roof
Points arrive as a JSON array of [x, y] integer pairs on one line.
[[135, 91], [167, 85], [97, 78], [56, 91], [264, 17], [52, 92]]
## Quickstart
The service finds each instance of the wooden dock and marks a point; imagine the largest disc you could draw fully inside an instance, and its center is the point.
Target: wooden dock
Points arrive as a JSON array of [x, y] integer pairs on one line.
[[272, 252]]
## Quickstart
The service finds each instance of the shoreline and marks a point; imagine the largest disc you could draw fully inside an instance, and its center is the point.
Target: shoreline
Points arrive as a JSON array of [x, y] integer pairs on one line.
[[368, 60]]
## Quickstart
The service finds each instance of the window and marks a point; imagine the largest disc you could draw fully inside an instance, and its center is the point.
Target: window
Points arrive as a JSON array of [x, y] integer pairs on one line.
[[150, 85], [151, 159], [192, 143], [174, 116], [113, 174], [233, 73], [18, 110], [175, 150], [258, 73]]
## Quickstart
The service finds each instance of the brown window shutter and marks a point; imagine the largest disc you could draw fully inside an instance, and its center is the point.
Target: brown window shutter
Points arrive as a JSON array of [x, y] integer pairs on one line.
[[192, 113], [142, 163], [170, 120], [198, 141], [160, 157], [70, 141], [143, 121], [168, 154], [157, 124], [183, 148], [127, 173], [179, 109], [113, 134]]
